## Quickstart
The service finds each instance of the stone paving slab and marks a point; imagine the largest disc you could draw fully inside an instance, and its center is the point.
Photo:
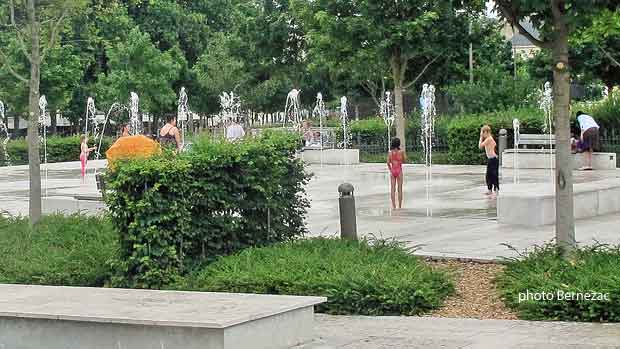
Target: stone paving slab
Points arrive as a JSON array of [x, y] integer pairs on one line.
[[359, 332]]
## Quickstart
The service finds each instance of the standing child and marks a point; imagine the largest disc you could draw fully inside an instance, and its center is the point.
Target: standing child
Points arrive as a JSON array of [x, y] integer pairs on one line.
[[488, 143], [395, 160], [84, 152]]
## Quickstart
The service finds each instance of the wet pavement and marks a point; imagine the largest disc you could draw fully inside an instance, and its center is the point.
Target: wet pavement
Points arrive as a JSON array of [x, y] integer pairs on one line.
[[453, 219]]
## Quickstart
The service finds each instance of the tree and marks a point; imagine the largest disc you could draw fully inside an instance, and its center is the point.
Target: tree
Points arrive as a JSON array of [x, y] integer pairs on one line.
[[556, 20], [138, 66], [406, 36], [37, 24]]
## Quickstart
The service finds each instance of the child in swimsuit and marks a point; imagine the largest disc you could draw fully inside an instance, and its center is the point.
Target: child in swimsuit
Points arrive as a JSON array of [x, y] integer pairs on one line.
[[84, 152], [395, 160]]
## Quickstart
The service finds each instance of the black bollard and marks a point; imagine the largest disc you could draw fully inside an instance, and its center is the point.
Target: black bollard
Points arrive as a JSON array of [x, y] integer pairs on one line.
[[348, 222]]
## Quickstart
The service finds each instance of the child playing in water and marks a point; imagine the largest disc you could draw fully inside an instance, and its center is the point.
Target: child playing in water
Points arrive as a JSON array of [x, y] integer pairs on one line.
[[488, 143], [395, 160], [85, 151]]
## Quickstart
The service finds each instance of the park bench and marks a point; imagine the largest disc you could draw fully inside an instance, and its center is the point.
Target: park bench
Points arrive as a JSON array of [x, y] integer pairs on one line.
[[526, 139]]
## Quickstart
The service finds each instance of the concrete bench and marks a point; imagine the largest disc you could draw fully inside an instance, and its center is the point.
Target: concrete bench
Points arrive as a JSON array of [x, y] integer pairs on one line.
[[545, 158], [533, 204], [98, 318], [331, 156], [536, 139]]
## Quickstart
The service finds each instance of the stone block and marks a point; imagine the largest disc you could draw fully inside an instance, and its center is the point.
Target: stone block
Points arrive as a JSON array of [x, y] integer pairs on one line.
[[75, 318], [331, 156], [544, 159]]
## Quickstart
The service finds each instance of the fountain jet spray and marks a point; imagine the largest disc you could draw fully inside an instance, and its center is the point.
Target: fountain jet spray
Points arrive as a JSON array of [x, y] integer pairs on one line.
[[427, 102], [516, 127], [4, 136], [183, 113], [230, 105], [344, 116], [387, 113], [135, 124], [292, 109], [546, 104], [44, 123]]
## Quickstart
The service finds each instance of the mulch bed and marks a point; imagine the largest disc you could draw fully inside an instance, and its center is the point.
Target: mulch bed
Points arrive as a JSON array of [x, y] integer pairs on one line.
[[476, 295]]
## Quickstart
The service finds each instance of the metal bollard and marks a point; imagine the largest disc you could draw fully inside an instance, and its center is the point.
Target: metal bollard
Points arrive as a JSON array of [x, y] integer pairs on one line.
[[503, 142], [348, 222]]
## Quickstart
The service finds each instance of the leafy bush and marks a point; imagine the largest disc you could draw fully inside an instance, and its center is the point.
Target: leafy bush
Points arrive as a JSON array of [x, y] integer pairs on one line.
[[606, 113], [176, 211], [494, 89], [60, 250], [464, 132], [378, 278], [589, 269], [59, 149]]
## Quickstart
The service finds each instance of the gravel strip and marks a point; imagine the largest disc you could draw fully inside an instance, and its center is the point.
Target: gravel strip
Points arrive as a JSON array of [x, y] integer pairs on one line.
[[476, 295]]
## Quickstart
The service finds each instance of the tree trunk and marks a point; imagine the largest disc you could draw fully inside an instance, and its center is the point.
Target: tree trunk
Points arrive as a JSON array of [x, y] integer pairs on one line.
[[564, 217], [398, 74], [34, 159]]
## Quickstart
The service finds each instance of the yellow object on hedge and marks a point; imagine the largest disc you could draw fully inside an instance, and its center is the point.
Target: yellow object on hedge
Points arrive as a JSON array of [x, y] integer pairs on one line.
[[132, 147]]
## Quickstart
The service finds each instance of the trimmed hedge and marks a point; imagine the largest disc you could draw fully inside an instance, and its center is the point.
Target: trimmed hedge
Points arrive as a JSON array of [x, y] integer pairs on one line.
[[464, 132], [589, 270], [59, 250], [173, 212], [362, 278], [59, 149]]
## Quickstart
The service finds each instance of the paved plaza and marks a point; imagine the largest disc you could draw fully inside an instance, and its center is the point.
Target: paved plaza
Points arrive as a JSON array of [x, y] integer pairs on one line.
[[457, 219], [389, 332]]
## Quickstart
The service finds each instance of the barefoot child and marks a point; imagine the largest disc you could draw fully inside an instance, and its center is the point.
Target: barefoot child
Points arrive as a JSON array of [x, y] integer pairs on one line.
[[395, 160], [84, 152], [488, 143]]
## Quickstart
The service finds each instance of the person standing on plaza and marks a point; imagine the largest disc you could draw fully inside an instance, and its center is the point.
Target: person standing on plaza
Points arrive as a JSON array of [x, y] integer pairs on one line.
[[589, 137], [234, 131], [396, 158], [84, 153], [487, 143]]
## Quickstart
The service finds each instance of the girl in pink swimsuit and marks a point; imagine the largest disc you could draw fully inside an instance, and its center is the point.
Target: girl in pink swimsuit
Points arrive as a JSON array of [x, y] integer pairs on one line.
[[395, 160], [84, 152]]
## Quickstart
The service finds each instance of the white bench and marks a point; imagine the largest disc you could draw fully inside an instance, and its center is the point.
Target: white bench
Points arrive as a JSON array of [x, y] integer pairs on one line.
[[536, 139], [99, 318]]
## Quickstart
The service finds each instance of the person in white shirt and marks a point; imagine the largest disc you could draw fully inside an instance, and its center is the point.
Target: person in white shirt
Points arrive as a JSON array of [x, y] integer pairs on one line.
[[589, 137], [234, 131]]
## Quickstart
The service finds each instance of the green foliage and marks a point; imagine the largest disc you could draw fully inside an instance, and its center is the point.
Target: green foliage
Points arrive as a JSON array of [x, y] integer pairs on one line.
[[493, 89], [136, 65], [606, 113], [361, 278], [60, 250], [587, 270], [172, 212], [59, 149], [463, 132]]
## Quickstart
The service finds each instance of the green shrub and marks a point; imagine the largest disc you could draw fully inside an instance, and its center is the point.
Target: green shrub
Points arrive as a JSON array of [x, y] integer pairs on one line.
[[60, 250], [59, 149], [464, 132], [494, 89], [378, 278], [176, 211], [606, 113], [590, 269]]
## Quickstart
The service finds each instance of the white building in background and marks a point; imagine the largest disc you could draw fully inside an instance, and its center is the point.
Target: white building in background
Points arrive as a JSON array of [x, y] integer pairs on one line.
[[521, 46]]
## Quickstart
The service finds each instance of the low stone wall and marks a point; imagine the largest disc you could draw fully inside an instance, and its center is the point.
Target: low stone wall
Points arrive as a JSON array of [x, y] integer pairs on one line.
[[534, 204], [77, 318], [331, 156], [544, 159]]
